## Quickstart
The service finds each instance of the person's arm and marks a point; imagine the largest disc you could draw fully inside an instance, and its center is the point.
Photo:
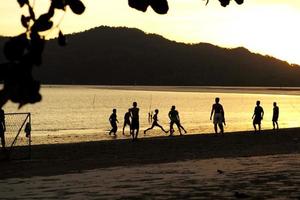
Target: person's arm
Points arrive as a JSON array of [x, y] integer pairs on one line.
[[212, 111], [262, 113], [223, 115]]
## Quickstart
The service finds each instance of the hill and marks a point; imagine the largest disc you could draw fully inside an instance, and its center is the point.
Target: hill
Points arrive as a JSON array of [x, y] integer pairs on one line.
[[126, 56]]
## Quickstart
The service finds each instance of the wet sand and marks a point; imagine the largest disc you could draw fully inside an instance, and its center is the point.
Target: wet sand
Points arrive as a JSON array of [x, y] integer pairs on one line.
[[55, 159]]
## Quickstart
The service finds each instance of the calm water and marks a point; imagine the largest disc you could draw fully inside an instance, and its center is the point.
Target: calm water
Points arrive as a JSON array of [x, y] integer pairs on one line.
[[80, 110]]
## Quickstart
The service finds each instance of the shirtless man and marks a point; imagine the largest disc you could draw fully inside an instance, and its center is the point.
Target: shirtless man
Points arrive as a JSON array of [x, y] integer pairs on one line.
[[155, 123], [135, 125], [219, 116]]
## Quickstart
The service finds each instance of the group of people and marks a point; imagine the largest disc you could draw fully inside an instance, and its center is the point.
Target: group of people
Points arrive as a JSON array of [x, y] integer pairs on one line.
[[131, 119]]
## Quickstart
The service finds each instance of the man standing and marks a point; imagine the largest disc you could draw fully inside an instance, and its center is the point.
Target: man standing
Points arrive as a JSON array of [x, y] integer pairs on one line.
[[275, 116], [219, 115], [135, 125], [257, 116], [2, 128]]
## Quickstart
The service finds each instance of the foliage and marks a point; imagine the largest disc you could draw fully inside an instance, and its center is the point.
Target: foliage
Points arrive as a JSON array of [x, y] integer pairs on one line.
[[24, 51]]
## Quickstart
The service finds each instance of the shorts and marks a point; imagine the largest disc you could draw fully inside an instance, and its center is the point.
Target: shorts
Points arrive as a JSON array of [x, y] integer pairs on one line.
[[257, 120], [114, 127], [275, 118], [218, 118], [126, 123], [175, 122], [135, 124]]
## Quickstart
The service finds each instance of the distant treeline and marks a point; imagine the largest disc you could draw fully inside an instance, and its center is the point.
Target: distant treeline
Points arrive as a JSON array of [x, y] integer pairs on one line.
[[126, 56]]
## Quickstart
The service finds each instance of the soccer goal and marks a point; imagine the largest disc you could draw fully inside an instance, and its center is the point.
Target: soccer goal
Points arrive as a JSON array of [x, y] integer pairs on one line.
[[18, 135]]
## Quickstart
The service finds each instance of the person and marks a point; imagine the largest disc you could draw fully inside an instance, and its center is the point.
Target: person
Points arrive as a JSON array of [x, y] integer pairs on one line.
[[126, 120], [174, 119], [113, 122], [257, 116], [219, 116], [2, 128], [155, 122], [135, 125], [275, 116]]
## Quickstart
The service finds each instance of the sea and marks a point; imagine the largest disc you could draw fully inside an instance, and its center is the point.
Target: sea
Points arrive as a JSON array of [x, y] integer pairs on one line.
[[86, 109]]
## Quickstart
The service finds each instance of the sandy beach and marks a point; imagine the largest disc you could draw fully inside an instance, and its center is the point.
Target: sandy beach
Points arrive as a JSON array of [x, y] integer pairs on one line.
[[188, 164], [264, 155]]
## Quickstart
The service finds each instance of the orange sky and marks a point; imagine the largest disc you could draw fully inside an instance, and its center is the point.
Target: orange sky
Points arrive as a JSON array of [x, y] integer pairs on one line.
[[264, 26]]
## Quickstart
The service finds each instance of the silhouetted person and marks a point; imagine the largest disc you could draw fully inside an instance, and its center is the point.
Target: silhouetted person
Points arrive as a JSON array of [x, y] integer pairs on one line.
[[126, 121], [174, 119], [2, 128], [275, 115], [219, 116], [113, 122], [135, 125], [257, 116], [155, 122], [150, 117]]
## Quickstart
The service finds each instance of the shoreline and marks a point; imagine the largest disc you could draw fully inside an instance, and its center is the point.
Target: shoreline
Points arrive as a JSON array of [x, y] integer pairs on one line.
[[206, 89], [55, 159]]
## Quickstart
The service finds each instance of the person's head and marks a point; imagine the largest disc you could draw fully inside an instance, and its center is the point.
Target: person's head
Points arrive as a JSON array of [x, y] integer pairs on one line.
[[274, 104], [156, 111], [134, 104], [114, 110], [257, 103], [217, 99], [173, 107]]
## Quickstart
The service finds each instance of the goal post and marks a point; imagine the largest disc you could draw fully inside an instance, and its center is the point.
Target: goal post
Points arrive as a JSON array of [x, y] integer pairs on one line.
[[18, 135]]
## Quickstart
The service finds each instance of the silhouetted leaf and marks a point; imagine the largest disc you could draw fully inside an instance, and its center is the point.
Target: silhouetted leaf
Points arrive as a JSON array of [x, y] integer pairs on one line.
[[239, 1], [31, 12], [15, 47], [61, 39], [43, 23], [22, 2], [50, 12], [159, 6], [76, 6], [25, 21], [140, 5], [224, 3], [58, 4]]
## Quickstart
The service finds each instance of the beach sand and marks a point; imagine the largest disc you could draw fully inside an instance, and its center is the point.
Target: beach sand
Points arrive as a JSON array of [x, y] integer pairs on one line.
[[262, 165]]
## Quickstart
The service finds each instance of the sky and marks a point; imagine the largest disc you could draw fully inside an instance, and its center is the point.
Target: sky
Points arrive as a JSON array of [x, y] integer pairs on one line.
[[268, 27]]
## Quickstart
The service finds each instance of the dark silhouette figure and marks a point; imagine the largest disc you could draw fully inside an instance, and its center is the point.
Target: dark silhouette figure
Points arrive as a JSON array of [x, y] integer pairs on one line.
[[150, 117], [155, 122], [174, 119], [135, 125], [126, 121], [219, 116], [2, 128], [257, 116], [275, 116], [113, 122]]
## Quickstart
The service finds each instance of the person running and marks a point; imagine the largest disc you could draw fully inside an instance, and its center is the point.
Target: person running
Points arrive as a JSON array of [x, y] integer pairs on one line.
[[257, 116], [219, 116], [126, 120], [275, 116], [155, 122], [2, 128], [135, 125], [174, 119], [113, 122]]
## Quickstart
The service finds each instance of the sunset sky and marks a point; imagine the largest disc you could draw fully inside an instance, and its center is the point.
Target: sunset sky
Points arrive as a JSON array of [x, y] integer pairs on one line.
[[264, 26]]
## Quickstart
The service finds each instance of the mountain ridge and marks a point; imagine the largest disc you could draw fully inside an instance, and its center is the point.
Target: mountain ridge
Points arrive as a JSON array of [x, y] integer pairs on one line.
[[128, 56]]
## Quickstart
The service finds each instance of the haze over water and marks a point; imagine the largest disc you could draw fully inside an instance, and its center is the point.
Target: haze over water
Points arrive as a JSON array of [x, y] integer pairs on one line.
[[82, 110]]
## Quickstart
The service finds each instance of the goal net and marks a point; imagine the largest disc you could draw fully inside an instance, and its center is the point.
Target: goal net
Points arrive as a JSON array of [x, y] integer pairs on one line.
[[17, 135]]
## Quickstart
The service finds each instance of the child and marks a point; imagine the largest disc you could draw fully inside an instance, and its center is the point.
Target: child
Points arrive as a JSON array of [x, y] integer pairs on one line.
[[113, 122], [155, 122]]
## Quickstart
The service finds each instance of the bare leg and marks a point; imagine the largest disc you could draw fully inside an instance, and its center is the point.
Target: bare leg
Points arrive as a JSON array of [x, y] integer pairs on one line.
[[254, 126], [277, 125], [259, 127], [148, 129], [161, 128], [221, 128], [216, 128]]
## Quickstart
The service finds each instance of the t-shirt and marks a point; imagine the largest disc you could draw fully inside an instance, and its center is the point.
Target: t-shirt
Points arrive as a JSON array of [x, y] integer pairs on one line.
[[173, 114], [218, 108], [258, 111], [113, 118], [134, 113]]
